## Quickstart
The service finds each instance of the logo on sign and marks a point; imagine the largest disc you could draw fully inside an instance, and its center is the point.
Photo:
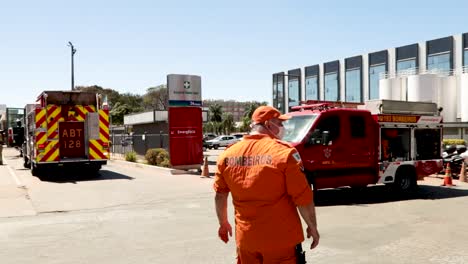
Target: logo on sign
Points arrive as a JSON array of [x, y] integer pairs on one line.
[[187, 85]]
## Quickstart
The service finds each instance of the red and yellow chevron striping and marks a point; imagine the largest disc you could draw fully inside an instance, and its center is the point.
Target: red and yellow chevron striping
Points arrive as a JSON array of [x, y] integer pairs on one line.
[[54, 116], [78, 113], [97, 150], [104, 125], [51, 152], [40, 118]]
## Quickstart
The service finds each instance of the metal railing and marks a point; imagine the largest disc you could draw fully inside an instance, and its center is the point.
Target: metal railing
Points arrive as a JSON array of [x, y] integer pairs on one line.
[[417, 71], [122, 143]]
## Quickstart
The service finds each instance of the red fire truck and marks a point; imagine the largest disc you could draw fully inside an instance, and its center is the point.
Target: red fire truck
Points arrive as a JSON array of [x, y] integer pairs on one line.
[[390, 142], [65, 129]]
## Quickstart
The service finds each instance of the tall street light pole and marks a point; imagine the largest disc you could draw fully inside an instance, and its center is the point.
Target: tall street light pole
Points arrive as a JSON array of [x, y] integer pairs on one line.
[[73, 51]]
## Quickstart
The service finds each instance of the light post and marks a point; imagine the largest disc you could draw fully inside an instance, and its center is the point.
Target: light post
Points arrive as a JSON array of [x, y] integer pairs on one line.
[[73, 51]]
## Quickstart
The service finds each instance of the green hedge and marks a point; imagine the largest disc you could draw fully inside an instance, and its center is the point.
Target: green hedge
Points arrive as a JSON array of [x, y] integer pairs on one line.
[[158, 157], [448, 142], [131, 156]]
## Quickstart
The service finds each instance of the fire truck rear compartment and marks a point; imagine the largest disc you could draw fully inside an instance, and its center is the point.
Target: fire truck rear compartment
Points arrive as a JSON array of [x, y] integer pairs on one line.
[[72, 140]]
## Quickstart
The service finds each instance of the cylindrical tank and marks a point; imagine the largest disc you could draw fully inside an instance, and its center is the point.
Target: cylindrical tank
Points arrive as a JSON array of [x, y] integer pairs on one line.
[[385, 88], [463, 100], [423, 88], [397, 89], [448, 98]]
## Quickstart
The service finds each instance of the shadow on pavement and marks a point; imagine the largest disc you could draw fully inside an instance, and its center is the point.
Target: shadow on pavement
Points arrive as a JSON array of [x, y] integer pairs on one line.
[[382, 194], [74, 176]]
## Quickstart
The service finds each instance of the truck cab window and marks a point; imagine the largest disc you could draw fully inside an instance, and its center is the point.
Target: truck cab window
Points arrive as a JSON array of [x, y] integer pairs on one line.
[[330, 124]]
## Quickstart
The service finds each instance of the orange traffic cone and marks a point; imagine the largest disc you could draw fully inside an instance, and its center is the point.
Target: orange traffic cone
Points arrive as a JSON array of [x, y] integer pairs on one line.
[[463, 173], [205, 171], [448, 176]]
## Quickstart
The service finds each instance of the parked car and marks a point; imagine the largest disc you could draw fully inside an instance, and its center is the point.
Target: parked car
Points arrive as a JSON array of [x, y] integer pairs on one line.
[[126, 142], [221, 141], [239, 136], [209, 136]]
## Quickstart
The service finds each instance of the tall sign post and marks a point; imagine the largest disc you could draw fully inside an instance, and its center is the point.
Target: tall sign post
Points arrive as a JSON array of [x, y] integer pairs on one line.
[[185, 121]]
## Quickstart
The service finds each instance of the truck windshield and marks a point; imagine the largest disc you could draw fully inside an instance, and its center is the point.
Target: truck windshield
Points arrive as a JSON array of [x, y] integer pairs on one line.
[[297, 127]]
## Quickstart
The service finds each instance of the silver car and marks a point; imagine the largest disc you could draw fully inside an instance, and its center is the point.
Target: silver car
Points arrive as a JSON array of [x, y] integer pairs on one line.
[[221, 141]]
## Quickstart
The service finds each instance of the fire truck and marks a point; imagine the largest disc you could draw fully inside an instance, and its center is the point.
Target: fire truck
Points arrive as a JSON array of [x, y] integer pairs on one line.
[[66, 129], [379, 142]]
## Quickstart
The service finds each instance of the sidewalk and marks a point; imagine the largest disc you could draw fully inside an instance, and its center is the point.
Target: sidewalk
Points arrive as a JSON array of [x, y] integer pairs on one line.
[[141, 160], [14, 200]]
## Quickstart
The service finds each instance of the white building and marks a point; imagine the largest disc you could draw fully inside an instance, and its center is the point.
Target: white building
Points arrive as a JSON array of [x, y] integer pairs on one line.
[[434, 70]]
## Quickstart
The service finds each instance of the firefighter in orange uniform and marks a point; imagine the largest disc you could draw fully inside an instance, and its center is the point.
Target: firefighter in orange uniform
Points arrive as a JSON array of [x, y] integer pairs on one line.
[[265, 177]]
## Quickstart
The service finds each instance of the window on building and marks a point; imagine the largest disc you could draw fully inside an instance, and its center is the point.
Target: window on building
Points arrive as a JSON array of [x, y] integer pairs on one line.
[[374, 78], [275, 94], [312, 88], [353, 85], [331, 86], [280, 97], [439, 62], [465, 59], [293, 92], [406, 66]]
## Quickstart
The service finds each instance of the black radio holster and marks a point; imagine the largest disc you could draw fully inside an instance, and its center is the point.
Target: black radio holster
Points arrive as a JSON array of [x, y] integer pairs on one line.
[[300, 254]]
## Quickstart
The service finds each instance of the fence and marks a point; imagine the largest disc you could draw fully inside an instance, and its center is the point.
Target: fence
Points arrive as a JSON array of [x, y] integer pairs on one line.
[[140, 143]]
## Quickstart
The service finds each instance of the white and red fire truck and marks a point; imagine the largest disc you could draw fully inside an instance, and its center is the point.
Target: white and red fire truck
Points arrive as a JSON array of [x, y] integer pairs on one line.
[[389, 142], [66, 129]]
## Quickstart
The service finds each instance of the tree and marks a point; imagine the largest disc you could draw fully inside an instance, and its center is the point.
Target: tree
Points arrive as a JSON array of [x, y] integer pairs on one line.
[[209, 127], [156, 98], [117, 113], [250, 108], [245, 127], [113, 96], [228, 123], [216, 113]]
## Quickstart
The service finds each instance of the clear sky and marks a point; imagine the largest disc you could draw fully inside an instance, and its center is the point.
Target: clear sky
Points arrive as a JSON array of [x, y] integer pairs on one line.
[[235, 46]]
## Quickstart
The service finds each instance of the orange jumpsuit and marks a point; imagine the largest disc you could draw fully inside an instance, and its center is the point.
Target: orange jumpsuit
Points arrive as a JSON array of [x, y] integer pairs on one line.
[[265, 178]]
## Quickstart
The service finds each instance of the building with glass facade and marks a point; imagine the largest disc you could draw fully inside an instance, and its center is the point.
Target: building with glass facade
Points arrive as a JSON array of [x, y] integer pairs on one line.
[[434, 70]]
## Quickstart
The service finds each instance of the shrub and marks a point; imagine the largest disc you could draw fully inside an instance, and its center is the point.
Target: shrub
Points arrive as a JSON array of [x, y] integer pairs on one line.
[[165, 163], [131, 156], [448, 142], [157, 156]]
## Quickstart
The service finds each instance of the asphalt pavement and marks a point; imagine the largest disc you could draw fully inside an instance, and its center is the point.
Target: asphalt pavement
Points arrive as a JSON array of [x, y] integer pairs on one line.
[[134, 213]]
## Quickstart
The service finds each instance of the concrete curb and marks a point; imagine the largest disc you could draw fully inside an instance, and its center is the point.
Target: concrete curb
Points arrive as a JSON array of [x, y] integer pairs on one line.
[[141, 165]]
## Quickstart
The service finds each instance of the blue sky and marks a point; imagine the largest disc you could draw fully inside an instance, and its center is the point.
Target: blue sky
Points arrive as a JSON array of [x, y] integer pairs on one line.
[[234, 45]]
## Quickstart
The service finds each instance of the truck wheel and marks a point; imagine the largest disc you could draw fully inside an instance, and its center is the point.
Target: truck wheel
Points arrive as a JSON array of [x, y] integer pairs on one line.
[[26, 163], [405, 180], [34, 170]]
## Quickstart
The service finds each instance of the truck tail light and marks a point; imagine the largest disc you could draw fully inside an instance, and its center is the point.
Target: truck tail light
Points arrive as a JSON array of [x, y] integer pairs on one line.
[[105, 144], [41, 146]]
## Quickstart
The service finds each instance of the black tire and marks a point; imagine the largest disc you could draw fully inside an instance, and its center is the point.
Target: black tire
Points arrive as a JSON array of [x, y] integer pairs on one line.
[[34, 170], [405, 180], [26, 163], [215, 146]]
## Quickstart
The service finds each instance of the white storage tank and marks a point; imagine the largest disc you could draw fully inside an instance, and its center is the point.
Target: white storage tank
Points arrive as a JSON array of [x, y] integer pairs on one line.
[[423, 88], [385, 88], [463, 100], [448, 98], [399, 89]]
